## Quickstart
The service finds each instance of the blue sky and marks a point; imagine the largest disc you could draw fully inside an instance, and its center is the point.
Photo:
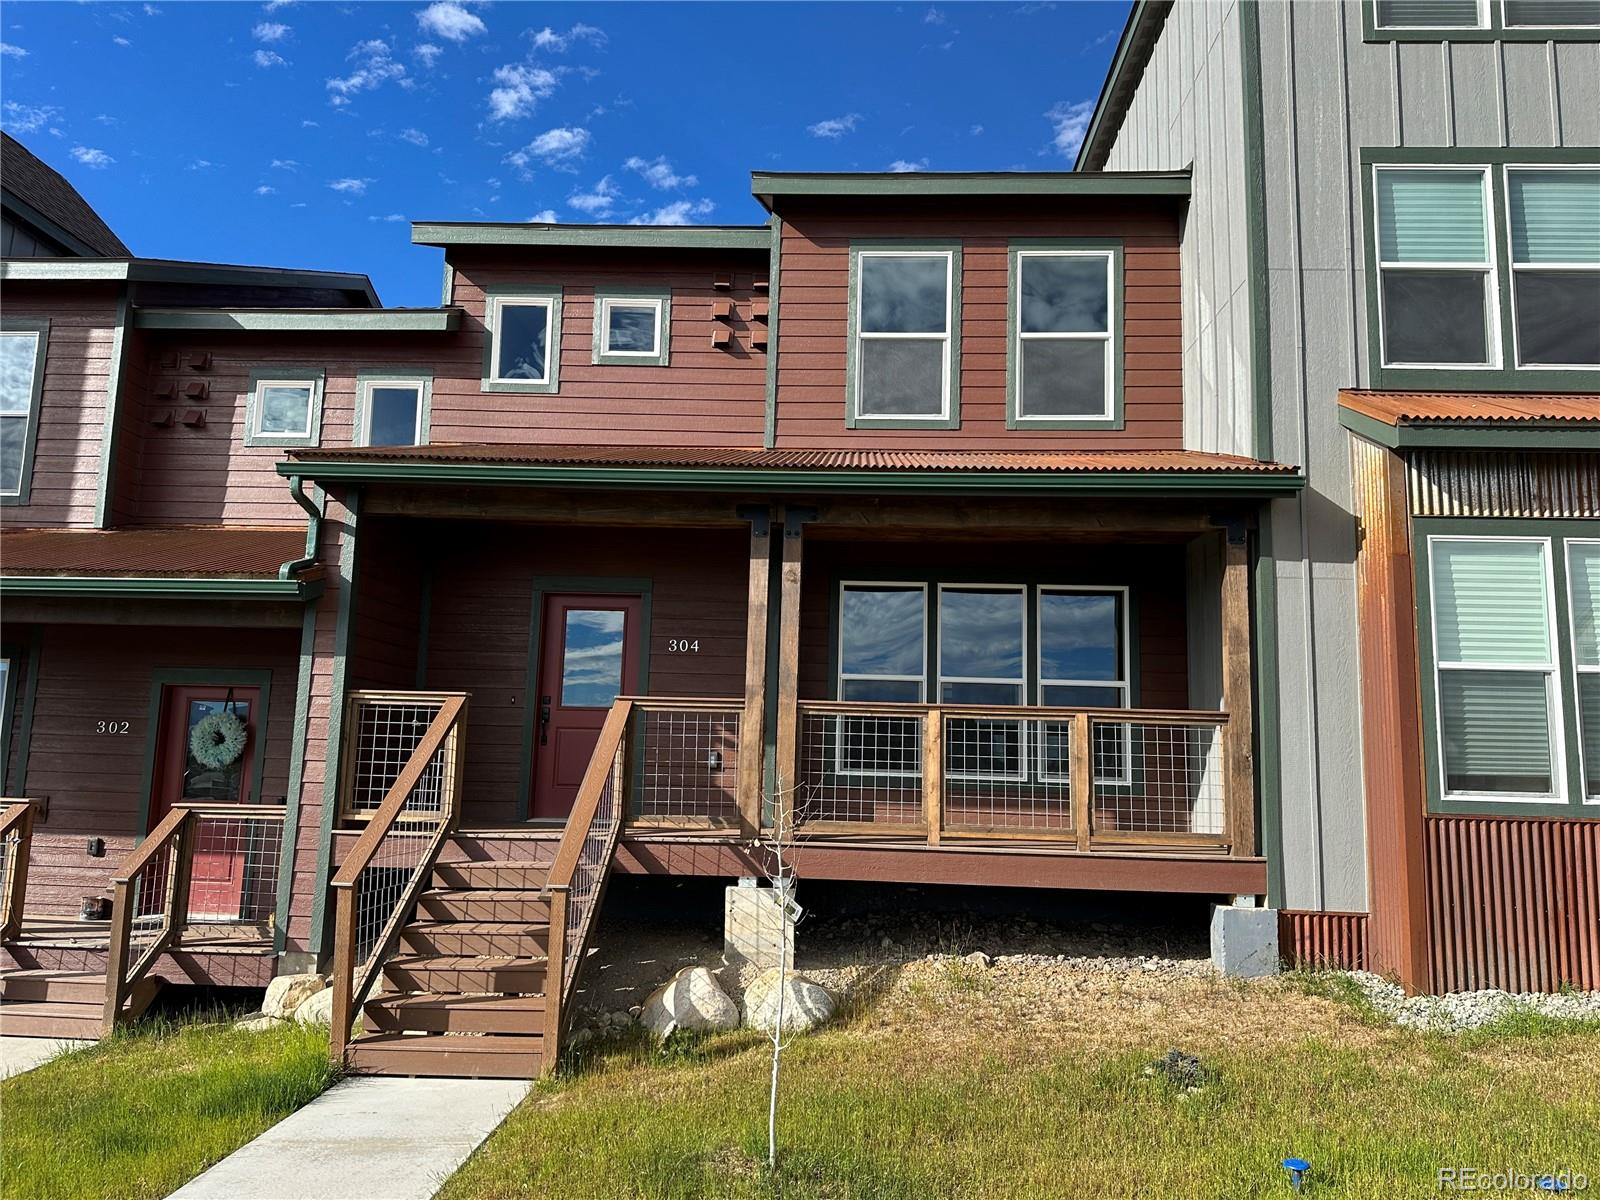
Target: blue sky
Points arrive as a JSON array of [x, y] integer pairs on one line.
[[308, 134]]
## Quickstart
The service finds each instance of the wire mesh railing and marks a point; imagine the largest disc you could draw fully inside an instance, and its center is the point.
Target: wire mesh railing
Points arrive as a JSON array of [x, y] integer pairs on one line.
[[16, 841], [233, 872], [859, 765], [683, 763], [383, 730], [593, 865], [1159, 778]]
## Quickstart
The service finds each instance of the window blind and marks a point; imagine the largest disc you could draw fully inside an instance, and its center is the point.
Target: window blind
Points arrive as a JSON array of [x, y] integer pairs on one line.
[[1555, 216], [1490, 603], [1431, 216], [1428, 14]]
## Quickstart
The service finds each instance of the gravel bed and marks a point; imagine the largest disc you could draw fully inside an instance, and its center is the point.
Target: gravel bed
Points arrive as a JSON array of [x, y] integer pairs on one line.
[[1469, 1010]]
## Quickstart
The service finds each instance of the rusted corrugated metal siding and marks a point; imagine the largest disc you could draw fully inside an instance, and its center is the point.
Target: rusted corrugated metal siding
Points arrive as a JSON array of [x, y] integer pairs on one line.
[[1505, 484], [1323, 939], [1391, 725], [1514, 903], [206, 551]]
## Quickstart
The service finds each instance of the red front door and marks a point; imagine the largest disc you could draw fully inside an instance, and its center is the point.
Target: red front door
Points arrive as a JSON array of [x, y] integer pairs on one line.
[[590, 657], [217, 885]]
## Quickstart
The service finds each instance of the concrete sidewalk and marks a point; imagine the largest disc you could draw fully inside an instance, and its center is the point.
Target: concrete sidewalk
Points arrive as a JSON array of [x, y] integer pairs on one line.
[[367, 1138], [19, 1054]]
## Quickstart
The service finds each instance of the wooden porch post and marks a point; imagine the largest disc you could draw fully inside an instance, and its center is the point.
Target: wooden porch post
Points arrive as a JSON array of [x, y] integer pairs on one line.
[[789, 657], [1237, 673], [752, 723]]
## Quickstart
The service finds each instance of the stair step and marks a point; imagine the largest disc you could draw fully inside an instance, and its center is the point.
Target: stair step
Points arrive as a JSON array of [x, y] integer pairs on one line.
[[71, 986], [482, 904], [516, 939], [460, 973], [455, 1055], [50, 1018], [513, 876], [439, 1012]]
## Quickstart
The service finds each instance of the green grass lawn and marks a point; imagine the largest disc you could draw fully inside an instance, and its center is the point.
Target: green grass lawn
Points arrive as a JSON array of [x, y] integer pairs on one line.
[[949, 1087], [134, 1117]]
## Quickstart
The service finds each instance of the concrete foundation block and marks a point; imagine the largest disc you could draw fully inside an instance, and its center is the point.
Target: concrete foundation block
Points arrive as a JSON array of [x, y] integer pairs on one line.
[[1244, 941], [754, 929]]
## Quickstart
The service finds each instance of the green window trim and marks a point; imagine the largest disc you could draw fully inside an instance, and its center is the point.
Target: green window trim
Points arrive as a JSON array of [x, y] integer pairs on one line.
[[662, 298], [14, 655], [1115, 307], [1506, 376], [494, 297], [1492, 27], [366, 379], [315, 376], [951, 417], [40, 326], [1555, 534]]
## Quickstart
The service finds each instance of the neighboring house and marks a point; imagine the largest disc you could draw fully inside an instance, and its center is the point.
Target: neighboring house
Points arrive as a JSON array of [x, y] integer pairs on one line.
[[1392, 276], [43, 216], [325, 616]]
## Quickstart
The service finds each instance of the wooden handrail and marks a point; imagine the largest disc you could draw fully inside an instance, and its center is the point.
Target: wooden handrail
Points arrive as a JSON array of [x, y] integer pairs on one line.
[[146, 849], [1149, 716], [174, 830], [207, 808], [16, 823], [346, 987], [589, 791]]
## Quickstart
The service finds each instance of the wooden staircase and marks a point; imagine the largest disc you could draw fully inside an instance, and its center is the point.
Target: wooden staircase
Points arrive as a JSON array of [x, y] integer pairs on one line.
[[43, 1002], [463, 994]]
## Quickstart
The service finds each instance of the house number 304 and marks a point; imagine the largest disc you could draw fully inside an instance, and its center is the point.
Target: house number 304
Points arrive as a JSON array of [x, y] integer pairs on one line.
[[112, 727], [683, 646]]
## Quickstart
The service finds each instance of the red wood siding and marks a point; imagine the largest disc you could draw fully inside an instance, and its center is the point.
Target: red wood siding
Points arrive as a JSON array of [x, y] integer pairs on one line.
[[1154, 575], [96, 782], [814, 322], [384, 635], [72, 405]]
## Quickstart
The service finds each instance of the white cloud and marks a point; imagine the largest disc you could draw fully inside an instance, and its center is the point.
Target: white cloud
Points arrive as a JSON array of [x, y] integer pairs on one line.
[[122, 41], [150, 10], [285, 164], [393, 218], [599, 200], [658, 173], [350, 187], [521, 87], [976, 131], [7, 50], [270, 58], [447, 19], [201, 164], [427, 53], [933, 17], [834, 127], [275, 5], [375, 66], [266, 190], [308, 123], [547, 217], [1071, 122], [29, 118], [90, 157], [679, 212], [270, 31], [558, 43], [901, 166], [560, 148], [415, 136]]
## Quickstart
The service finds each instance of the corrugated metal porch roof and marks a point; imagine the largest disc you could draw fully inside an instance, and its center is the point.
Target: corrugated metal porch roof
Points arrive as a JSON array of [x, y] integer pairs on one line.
[[194, 552], [1473, 408]]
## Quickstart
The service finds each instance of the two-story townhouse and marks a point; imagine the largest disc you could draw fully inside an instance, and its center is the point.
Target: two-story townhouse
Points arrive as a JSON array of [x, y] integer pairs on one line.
[[874, 520], [1392, 266]]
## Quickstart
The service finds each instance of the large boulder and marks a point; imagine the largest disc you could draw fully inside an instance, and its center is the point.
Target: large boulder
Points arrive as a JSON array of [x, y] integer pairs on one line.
[[691, 999], [288, 992], [316, 1009], [806, 1003], [259, 1022]]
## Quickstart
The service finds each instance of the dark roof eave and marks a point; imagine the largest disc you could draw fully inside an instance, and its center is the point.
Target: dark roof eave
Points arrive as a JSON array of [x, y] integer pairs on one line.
[[1134, 48], [1211, 482], [620, 237], [158, 587], [1472, 434], [770, 186], [157, 270], [301, 320]]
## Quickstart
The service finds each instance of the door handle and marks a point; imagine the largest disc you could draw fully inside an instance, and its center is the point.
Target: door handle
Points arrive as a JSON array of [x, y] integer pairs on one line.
[[544, 721]]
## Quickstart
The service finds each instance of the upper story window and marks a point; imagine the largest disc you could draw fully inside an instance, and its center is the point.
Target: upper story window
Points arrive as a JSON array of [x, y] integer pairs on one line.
[[284, 407], [1486, 274], [22, 352], [523, 348], [1065, 359], [632, 328], [392, 410], [1485, 18], [904, 347]]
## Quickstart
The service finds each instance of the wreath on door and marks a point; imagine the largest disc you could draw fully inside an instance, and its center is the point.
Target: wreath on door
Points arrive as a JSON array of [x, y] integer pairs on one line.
[[218, 739]]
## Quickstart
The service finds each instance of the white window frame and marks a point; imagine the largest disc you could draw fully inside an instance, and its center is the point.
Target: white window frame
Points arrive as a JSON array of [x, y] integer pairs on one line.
[[30, 406], [1124, 685], [1483, 20], [1512, 266], [1108, 410], [898, 585], [607, 303], [257, 434], [1505, 22], [1579, 669], [1551, 671], [1020, 683], [1488, 268], [947, 337], [364, 433], [497, 304]]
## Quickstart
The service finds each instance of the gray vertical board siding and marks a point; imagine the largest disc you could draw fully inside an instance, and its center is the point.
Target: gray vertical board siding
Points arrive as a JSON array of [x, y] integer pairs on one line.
[[1577, 66], [1424, 102], [1528, 82], [1475, 93]]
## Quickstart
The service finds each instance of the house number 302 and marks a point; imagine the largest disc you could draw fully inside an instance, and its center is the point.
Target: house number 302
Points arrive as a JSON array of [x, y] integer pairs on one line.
[[683, 646], [112, 727]]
